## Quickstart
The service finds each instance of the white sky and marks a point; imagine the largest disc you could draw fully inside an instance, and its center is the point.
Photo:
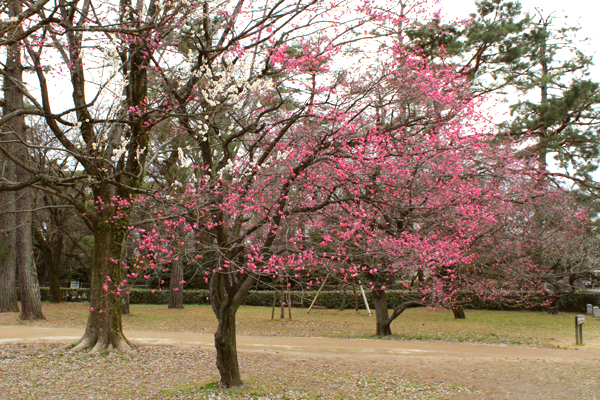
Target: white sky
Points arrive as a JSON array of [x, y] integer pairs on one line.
[[577, 12]]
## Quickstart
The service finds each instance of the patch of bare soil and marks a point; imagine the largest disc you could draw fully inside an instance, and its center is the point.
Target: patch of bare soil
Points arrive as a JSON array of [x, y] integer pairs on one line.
[[291, 368]]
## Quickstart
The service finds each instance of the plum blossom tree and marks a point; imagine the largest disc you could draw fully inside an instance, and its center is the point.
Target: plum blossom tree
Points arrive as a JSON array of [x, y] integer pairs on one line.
[[300, 165], [107, 50]]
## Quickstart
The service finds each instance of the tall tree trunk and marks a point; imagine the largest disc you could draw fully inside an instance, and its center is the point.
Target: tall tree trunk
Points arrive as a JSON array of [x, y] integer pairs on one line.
[[13, 101], [31, 304], [382, 318], [175, 286]]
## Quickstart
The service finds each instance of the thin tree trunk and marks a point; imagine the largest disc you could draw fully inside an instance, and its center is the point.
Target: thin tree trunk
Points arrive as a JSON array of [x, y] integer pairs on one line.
[[175, 286], [344, 299], [58, 249], [50, 261], [54, 283], [282, 302], [125, 310]]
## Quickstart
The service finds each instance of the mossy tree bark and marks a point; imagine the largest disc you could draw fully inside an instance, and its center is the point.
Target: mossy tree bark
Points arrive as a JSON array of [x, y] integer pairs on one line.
[[104, 328]]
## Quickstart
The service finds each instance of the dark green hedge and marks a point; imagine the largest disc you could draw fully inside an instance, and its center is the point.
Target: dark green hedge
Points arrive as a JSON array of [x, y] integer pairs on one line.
[[329, 299]]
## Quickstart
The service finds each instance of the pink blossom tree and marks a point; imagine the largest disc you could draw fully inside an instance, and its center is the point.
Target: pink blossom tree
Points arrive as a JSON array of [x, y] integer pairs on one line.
[[299, 165]]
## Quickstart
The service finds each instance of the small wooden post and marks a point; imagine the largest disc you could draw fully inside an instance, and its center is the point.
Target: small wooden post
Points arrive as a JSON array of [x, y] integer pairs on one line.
[[317, 295], [355, 297], [579, 321], [365, 299]]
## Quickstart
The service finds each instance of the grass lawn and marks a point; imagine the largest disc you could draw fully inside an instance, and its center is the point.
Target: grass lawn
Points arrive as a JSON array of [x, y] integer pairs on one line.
[[481, 326]]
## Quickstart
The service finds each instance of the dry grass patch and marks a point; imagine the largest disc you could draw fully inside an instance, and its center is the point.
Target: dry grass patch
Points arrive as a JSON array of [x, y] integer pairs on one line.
[[162, 372]]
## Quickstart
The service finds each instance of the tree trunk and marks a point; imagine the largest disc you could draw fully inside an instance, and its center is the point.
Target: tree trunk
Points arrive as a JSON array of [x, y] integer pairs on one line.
[[227, 291], [282, 302], [8, 293], [381, 313], [50, 258], [459, 312], [344, 299], [54, 282], [12, 68], [125, 298], [58, 249], [104, 328], [225, 343], [31, 305], [125, 310], [175, 286]]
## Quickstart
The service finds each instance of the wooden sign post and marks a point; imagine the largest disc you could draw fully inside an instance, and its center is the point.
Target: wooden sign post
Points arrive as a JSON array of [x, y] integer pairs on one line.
[[579, 321]]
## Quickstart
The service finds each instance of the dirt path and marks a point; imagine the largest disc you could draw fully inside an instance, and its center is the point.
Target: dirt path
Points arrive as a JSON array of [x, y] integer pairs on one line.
[[313, 345], [495, 371]]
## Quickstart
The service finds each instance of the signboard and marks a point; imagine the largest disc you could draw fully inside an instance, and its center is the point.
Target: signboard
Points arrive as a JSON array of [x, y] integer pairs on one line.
[[74, 284], [579, 320]]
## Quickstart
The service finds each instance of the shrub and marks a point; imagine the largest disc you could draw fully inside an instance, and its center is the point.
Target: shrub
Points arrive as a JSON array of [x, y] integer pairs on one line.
[[575, 302]]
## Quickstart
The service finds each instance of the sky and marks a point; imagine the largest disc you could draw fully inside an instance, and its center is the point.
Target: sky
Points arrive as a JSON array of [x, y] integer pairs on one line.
[[582, 13]]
